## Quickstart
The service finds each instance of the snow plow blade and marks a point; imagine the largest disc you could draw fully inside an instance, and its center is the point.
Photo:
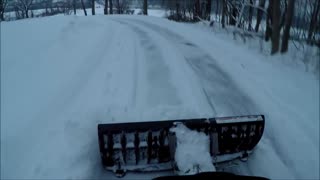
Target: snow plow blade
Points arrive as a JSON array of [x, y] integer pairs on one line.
[[150, 146]]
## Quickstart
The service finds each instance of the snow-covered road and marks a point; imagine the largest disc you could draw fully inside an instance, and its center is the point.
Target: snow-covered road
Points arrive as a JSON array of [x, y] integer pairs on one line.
[[61, 76], [190, 59]]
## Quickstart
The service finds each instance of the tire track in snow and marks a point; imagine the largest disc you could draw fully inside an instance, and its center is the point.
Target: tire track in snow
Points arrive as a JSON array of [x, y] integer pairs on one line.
[[135, 75], [163, 77], [159, 92], [222, 93], [120, 96]]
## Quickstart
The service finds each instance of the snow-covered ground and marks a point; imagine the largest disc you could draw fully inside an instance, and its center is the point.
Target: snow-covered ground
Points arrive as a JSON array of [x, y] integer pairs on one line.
[[62, 75]]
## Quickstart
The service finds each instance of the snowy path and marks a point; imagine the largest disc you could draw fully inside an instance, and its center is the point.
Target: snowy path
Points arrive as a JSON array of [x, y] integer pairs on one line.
[[170, 87], [62, 98], [221, 92], [61, 76]]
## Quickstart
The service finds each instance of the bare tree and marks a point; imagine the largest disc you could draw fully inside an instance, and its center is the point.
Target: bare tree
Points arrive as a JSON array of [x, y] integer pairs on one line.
[[24, 6], [297, 20], [66, 7], [217, 9], [283, 16], [105, 6], [313, 21], [287, 26], [224, 13], [234, 13], [74, 4], [186, 10], [269, 21], [93, 8], [118, 6], [3, 5], [275, 36], [250, 15], [190, 8], [18, 13], [259, 14], [48, 5], [122, 6], [208, 9], [145, 7], [111, 6], [197, 9], [84, 8], [178, 15]]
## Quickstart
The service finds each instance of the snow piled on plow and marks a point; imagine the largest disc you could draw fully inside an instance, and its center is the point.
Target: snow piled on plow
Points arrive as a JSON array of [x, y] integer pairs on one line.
[[192, 153]]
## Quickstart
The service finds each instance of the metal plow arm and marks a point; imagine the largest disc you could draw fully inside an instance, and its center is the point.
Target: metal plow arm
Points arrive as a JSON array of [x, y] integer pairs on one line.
[[150, 146]]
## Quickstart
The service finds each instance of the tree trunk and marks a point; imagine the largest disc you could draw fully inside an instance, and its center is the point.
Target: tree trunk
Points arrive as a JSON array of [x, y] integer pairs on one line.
[[269, 21], [105, 6], [283, 17], [93, 8], [250, 15], [178, 18], [197, 9], [145, 7], [1, 10], [208, 8], [224, 12], [26, 13], [314, 16], [111, 6], [233, 15], [84, 8], [287, 26], [275, 37], [217, 10], [259, 14], [118, 7], [74, 7]]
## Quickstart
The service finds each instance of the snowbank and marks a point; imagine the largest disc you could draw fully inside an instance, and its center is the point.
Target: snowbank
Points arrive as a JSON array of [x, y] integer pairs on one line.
[[300, 56]]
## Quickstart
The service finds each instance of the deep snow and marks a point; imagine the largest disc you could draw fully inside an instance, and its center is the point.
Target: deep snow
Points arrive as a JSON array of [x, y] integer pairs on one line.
[[61, 76]]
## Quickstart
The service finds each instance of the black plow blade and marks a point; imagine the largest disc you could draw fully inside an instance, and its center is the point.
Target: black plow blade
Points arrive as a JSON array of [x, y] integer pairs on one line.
[[150, 146]]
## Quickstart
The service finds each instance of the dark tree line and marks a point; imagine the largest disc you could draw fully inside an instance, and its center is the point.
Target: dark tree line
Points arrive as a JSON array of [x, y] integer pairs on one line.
[[188, 10], [110, 6], [275, 20], [314, 22], [117, 6], [3, 4], [24, 8], [284, 20]]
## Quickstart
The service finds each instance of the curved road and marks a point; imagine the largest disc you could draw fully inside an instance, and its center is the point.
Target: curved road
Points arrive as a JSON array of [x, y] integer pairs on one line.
[[221, 93]]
